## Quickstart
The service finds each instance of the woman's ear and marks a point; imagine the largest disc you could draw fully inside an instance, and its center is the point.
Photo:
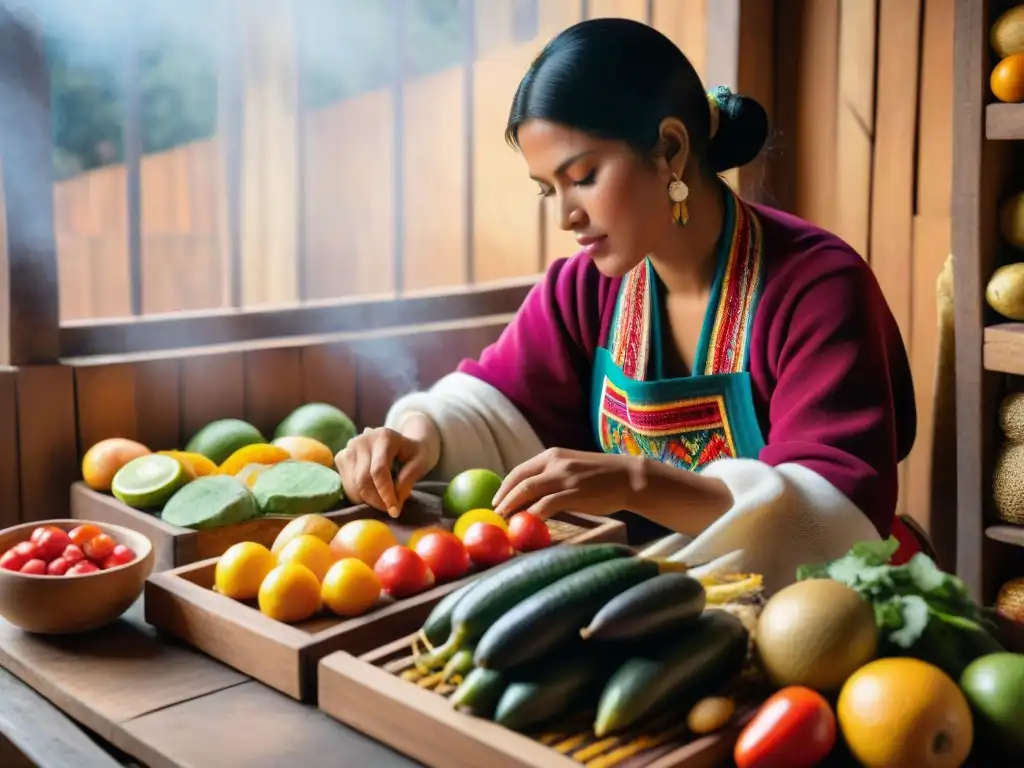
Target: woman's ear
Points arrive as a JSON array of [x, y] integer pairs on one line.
[[673, 146]]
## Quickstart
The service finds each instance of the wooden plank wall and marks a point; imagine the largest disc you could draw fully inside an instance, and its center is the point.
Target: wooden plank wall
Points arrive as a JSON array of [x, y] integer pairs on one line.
[[864, 93], [50, 415]]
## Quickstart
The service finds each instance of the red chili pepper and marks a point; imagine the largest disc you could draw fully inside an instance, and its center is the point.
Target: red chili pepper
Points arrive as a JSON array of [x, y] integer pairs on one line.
[[794, 728]]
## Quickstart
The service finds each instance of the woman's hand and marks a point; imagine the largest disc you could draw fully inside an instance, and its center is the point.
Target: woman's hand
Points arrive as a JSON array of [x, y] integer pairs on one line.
[[559, 480], [365, 467]]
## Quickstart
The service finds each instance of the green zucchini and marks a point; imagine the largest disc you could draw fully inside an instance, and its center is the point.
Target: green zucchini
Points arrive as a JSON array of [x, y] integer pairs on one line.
[[556, 687], [690, 667], [555, 614], [438, 626], [495, 594], [656, 606], [480, 691]]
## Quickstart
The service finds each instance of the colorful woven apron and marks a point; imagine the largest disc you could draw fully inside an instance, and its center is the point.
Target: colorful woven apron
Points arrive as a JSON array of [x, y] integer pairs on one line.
[[693, 420], [690, 421]]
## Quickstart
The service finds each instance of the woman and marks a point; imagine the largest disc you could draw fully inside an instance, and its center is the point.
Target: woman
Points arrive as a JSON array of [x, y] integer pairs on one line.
[[721, 369]]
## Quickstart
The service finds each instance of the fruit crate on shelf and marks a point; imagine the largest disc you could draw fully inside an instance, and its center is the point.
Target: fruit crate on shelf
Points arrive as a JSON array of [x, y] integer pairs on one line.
[[174, 546], [182, 602]]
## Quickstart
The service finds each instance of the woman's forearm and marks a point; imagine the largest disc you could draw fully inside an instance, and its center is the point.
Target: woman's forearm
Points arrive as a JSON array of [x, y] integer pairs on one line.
[[680, 500]]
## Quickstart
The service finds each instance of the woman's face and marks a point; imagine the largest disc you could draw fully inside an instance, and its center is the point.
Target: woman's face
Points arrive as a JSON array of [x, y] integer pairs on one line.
[[616, 205]]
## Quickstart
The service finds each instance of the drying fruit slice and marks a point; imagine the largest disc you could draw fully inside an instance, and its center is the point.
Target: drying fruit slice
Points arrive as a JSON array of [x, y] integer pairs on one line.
[[147, 482], [199, 464], [257, 453], [211, 502]]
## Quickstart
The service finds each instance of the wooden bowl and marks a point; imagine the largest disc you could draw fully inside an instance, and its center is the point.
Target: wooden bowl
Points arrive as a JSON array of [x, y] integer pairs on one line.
[[67, 604]]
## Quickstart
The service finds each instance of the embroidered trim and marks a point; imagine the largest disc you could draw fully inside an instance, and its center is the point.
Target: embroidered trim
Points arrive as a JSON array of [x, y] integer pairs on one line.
[[631, 323]]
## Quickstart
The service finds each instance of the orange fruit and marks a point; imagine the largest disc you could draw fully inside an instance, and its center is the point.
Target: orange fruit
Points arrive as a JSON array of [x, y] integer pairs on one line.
[[199, 465], [1007, 79], [464, 522], [290, 593], [306, 449], [314, 525], [350, 588], [103, 460], [310, 551], [363, 539], [241, 570], [258, 453], [905, 713]]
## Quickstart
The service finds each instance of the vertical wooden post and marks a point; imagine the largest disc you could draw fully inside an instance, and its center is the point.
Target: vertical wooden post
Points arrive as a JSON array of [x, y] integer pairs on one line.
[[270, 155], [29, 307]]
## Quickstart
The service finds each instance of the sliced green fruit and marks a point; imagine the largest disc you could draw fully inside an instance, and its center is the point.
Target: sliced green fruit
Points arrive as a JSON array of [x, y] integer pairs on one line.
[[147, 482], [211, 502], [294, 488]]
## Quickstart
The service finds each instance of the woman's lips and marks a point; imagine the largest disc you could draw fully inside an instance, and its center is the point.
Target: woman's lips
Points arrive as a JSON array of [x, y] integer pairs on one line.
[[592, 245]]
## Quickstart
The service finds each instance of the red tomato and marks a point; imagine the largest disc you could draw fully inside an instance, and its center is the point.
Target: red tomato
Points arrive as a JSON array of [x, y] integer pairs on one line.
[[12, 560], [487, 544], [73, 553], [121, 555], [59, 566], [402, 572], [35, 566], [51, 543], [83, 533], [81, 568], [99, 548], [444, 555], [528, 532], [38, 532], [794, 728]]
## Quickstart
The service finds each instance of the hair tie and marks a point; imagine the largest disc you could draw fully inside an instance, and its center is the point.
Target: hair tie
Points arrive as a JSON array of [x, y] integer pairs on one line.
[[716, 96]]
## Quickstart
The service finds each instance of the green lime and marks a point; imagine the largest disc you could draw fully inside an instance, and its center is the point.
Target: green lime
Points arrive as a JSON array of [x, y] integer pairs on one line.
[[147, 482], [220, 438], [994, 687], [469, 490], [320, 421]]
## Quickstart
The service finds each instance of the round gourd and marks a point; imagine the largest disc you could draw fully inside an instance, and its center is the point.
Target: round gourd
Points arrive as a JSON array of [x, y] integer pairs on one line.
[[1007, 79]]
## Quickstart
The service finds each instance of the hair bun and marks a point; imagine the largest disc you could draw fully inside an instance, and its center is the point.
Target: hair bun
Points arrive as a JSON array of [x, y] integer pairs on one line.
[[742, 130]]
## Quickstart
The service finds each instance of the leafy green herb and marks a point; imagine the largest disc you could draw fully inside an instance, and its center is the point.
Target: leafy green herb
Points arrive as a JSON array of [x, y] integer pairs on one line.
[[920, 610]]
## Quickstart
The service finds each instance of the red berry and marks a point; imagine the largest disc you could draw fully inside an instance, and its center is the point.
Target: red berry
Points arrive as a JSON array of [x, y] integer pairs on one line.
[[59, 566], [35, 567], [81, 568]]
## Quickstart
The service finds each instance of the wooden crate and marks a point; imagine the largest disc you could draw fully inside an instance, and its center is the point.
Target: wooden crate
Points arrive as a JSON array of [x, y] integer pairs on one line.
[[373, 692], [174, 546], [181, 601]]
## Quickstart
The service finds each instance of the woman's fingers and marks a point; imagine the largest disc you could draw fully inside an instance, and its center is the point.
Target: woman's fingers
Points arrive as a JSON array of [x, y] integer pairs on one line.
[[513, 479], [526, 493], [385, 448], [555, 503]]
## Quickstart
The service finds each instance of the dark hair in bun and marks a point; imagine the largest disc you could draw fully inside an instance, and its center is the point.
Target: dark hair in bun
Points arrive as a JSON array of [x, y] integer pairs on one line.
[[618, 79]]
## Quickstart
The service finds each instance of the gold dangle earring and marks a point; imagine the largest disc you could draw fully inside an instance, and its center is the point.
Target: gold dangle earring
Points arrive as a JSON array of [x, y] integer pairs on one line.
[[678, 192]]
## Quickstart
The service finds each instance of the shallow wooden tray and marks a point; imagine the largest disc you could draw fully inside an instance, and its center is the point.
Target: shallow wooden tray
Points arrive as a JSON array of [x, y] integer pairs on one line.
[[370, 694], [174, 546], [285, 657]]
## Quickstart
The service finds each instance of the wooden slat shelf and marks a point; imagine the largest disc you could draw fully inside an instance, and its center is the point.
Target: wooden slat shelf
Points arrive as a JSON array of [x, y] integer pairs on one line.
[[1004, 348], [1007, 534], [1004, 122]]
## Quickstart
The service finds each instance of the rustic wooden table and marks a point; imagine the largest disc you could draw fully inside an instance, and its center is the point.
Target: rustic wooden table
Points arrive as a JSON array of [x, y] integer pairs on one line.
[[149, 700]]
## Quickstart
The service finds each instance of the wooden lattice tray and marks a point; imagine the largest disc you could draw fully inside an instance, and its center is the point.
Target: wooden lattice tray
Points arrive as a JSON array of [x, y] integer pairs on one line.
[[382, 694]]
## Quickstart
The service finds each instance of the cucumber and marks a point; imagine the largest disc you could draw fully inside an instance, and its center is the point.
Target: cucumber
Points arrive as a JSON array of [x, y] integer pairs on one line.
[[459, 664], [689, 667], [555, 614], [480, 691], [556, 687], [438, 626], [495, 594], [662, 604]]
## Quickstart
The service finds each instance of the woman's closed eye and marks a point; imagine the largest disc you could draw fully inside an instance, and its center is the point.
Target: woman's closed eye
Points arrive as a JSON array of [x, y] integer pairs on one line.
[[587, 180]]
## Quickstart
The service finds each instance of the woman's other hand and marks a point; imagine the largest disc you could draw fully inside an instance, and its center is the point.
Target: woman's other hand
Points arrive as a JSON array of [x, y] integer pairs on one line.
[[560, 480], [365, 464]]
